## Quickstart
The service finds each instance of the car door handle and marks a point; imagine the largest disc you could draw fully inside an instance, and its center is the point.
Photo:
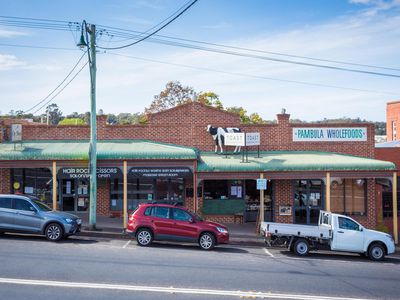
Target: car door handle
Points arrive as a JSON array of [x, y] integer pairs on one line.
[[340, 231]]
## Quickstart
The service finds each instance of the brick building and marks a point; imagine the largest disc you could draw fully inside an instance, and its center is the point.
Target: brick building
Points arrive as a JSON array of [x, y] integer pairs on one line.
[[171, 159]]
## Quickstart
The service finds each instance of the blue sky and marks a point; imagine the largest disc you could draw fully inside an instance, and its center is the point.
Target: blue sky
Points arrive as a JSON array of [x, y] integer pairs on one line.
[[359, 31]]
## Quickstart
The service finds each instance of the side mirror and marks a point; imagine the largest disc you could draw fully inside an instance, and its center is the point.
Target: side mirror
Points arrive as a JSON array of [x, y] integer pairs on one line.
[[191, 220], [361, 229]]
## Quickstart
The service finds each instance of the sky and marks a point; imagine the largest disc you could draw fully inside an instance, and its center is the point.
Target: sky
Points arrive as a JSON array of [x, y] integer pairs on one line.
[[355, 31]]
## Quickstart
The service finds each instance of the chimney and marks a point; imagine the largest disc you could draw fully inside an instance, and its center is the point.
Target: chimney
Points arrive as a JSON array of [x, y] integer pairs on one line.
[[283, 117]]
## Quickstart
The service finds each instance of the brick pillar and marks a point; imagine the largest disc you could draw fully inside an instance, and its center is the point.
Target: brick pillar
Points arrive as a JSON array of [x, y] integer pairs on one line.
[[283, 195], [372, 211], [101, 121], [284, 133], [103, 197], [5, 181]]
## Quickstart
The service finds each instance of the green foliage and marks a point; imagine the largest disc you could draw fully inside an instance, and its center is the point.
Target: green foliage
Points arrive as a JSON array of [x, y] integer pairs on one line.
[[54, 113], [71, 121]]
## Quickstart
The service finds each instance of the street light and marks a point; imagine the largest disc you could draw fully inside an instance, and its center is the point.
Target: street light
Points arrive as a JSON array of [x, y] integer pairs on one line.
[[91, 45]]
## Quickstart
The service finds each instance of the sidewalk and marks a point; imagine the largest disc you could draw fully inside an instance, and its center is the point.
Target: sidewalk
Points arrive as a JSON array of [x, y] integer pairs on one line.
[[108, 227]]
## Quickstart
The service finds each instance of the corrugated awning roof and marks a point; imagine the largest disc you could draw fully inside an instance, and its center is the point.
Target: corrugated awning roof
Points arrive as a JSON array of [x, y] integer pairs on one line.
[[285, 161], [79, 150]]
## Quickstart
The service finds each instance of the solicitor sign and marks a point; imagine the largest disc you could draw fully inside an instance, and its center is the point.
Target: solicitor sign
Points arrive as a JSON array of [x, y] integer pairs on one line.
[[327, 134]]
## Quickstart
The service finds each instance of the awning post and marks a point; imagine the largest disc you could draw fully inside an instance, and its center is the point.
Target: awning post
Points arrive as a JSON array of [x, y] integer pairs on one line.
[[261, 202], [328, 192], [394, 192], [125, 213], [54, 185]]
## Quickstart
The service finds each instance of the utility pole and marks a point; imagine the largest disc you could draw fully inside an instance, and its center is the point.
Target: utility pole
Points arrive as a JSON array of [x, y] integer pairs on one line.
[[93, 126], [92, 146]]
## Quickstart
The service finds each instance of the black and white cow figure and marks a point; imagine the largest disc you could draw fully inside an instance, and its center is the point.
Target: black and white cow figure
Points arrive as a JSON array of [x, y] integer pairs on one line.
[[218, 134]]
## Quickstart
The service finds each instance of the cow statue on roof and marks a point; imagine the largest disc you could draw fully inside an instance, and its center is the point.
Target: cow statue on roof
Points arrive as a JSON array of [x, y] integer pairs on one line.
[[218, 134]]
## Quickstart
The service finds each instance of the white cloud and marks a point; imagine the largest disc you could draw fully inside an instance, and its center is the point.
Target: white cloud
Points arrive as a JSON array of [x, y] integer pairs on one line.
[[8, 62], [220, 25], [4, 33]]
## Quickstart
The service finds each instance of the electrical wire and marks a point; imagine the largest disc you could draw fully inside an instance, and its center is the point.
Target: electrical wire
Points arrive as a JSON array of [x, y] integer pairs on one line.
[[253, 76], [154, 32], [62, 89], [124, 33], [53, 91], [38, 47]]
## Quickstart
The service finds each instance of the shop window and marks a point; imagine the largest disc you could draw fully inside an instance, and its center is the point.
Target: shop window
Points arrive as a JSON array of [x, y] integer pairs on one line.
[[223, 189], [387, 199], [394, 131], [143, 190], [348, 196], [34, 181]]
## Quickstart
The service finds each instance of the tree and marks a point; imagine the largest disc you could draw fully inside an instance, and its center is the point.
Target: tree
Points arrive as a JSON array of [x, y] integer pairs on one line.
[[210, 98], [174, 94], [54, 114]]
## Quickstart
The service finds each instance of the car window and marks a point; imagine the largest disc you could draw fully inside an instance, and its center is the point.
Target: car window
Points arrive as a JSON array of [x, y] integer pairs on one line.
[[181, 215], [21, 204], [42, 206], [161, 212], [147, 212], [5, 203], [348, 224]]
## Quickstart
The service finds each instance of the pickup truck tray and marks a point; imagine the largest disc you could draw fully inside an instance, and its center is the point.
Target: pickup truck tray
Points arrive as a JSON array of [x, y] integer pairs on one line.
[[284, 229]]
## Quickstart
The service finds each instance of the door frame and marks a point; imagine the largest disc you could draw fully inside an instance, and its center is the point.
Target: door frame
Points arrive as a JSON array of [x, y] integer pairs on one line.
[[308, 207]]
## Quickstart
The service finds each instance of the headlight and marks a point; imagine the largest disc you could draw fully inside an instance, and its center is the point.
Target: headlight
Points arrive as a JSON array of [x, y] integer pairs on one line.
[[222, 230], [79, 221], [68, 220]]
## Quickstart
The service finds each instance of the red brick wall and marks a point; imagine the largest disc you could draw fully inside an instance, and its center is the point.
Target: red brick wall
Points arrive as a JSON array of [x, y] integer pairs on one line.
[[103, 197], [186, 125], [392, 115], [5, 181], [283, 195]]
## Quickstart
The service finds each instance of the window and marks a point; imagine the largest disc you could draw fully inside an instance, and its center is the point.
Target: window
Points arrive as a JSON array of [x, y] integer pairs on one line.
[[5, 203], [180, 215], [147, 212], [223, 189], [348, 196], [20, 204], [347, 224], [394, 131], [161, 212]]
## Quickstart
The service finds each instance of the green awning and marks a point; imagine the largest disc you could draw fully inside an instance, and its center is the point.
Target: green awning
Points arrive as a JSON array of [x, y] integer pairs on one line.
[[285, 161], [79, 150]]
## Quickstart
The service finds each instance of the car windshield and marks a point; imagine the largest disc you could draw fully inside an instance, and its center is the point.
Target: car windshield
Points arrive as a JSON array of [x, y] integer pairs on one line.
[[41, 205]]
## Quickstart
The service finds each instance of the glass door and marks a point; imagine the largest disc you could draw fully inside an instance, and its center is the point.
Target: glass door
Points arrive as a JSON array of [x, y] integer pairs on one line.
[[67, 194], [308, 196], [82, 195], [74, 194]]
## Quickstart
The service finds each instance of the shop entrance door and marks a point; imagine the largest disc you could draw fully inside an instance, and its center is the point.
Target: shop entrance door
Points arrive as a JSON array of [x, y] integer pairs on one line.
[[74, 194], [308, 196]]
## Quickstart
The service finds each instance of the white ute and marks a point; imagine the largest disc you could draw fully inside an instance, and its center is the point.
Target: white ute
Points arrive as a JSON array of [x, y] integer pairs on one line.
[[334, 232]]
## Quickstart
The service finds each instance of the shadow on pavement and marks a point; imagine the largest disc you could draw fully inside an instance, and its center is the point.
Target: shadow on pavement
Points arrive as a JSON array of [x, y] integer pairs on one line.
[[194, 247], [335, 256], [40, 238]]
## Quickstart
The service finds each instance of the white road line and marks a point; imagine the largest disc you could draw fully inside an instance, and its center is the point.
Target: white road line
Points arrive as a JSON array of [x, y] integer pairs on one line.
[[126, 244], [267, 252], [169, 290]]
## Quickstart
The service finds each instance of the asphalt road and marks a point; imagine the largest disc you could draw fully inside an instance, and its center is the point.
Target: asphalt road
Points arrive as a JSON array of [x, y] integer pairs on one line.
[[88, 268]]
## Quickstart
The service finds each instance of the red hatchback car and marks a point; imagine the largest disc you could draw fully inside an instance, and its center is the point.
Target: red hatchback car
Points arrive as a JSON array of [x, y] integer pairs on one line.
[[171, 223]]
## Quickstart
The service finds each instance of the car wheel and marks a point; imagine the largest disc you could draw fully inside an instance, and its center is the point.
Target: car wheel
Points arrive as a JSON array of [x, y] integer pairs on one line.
[[207, 241], [301, 247], [144, 237], [376, 252], [54, 232]]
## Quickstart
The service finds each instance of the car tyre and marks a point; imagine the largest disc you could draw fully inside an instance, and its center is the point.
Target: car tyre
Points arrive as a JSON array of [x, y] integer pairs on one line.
[[301, 247], [207, 241], [54, 232], [376, 252], [144, 237]]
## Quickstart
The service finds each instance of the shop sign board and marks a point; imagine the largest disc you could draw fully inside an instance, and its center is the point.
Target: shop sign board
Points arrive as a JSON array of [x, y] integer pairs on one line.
[[330, 134], [160, 172], [253, 139], [82, 173], [285, 210], [234, 139], [261, 184], [16, 132]]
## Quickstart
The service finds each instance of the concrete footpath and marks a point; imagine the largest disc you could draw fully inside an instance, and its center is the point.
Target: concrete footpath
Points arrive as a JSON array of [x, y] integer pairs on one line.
[[112, 227]]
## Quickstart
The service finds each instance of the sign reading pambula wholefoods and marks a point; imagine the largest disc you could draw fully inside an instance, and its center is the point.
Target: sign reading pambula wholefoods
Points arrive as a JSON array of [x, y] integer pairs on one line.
[[327, 134], [164, 172]]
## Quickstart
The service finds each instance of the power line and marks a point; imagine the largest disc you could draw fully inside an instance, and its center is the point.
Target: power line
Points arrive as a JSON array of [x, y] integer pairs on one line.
[[123, 33], [38, 47], [59, 92], [66, 77], [254, 76], [154, 32]]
